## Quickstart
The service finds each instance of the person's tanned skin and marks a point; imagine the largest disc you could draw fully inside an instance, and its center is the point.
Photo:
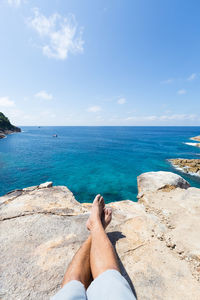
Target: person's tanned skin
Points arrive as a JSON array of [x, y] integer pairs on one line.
[[96, 255]]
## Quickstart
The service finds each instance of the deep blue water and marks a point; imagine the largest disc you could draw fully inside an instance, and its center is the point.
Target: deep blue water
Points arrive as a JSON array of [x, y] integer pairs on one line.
[[91, 160]]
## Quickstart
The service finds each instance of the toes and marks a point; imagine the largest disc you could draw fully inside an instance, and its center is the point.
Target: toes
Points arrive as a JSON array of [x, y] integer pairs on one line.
[[107, 216], [96, 199], [108, 211], [101, 202]]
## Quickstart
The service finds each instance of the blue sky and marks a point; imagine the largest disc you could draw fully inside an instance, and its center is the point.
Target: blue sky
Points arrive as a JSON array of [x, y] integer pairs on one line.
[[84, 62]]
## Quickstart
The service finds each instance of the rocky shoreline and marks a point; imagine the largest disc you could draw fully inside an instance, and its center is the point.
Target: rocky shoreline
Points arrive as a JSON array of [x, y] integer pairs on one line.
[[196, 138], [6, 127], [157, 239], [6, 132], [2, 135], [189, 166]]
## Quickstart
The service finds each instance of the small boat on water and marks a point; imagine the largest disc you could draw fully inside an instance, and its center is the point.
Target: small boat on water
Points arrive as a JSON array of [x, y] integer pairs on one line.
[[55, 135]]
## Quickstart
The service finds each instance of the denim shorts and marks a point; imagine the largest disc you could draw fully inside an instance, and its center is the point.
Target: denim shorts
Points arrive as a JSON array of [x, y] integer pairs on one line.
[[110, 285]]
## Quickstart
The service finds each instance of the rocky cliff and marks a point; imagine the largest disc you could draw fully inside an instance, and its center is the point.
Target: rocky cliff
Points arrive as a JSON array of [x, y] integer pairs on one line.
[[6, 127], [157, 239]]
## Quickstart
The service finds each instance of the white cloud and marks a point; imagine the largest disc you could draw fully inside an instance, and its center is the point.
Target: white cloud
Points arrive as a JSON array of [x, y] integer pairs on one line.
[[94, 109], [61, 35], [44, 95], [151, 118], [181, 92], [130, 118], [170, 80], [15, 2], [179, 117], [6, 102], [48, 114], [121, 101], [192, 77], [175, 117], [141, 118]]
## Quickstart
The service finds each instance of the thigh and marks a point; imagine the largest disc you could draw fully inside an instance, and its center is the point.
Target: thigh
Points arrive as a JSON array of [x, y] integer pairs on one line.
[[110, 285], [74, 290]]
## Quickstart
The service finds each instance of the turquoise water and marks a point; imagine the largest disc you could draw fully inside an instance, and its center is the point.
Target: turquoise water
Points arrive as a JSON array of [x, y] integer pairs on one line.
[[91, 160]]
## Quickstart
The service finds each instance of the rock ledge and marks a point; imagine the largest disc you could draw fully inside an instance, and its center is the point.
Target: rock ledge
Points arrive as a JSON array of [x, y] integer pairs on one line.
[[156, 239]]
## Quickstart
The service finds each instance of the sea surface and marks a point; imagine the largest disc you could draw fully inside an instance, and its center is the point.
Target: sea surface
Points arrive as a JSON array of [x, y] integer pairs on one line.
[[92, 160]]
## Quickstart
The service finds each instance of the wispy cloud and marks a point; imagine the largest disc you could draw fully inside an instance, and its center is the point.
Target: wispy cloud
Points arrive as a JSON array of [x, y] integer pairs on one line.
[[171, 80], [181, 92], [175, 117], [121, 101], [168, 81], [6, 102], [94, 109], [142, 118], [44, 95], [48, 114], [130, 118], [192, 77], [179, 117], [15, 2], [60, 35]]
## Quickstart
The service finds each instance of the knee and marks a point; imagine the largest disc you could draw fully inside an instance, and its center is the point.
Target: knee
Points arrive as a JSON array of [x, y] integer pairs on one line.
[[70, 277]]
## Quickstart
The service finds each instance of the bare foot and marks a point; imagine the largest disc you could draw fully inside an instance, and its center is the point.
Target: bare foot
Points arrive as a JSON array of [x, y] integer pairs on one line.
[[96, 212], [106, 217]]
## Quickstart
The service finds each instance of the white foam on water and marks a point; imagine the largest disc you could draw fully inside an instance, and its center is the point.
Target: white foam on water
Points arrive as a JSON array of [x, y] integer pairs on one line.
[[182, 170], [194, 174], [193, 144]]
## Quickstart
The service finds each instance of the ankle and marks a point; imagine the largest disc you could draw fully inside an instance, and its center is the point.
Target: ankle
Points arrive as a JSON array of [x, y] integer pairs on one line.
[[96, 226]]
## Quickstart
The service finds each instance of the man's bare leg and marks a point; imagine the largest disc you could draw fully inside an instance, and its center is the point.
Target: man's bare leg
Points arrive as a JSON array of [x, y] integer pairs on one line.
[[102, 254], [79, 268]]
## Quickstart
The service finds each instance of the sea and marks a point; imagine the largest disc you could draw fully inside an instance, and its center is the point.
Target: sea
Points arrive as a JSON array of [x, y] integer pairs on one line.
[[92, 160]]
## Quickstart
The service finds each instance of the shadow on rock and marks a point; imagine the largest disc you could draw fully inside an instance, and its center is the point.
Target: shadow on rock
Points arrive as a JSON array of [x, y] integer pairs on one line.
[[114, 237]]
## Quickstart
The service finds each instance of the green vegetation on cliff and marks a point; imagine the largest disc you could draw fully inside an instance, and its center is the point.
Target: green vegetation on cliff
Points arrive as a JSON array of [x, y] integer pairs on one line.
[[5, 125]]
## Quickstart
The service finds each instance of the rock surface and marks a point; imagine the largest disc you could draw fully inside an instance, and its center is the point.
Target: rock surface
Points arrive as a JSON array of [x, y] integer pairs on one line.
[[157, 239], [153, 181], [2, 135], [187, 165], [6, 127], [196, 138]]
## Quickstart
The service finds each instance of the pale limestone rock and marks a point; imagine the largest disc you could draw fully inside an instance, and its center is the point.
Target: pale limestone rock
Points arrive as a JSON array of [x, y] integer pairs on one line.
[[41, 229], [45, 185], [31, 188], [183, 212], [10, 196], [153, 181]]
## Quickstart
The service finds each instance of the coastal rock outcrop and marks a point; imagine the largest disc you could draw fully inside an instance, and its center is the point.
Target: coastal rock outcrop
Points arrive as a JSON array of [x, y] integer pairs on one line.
[[156, 239], [191, 166], [6, 127], [153, 181], [2, 135], [196, 138]]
